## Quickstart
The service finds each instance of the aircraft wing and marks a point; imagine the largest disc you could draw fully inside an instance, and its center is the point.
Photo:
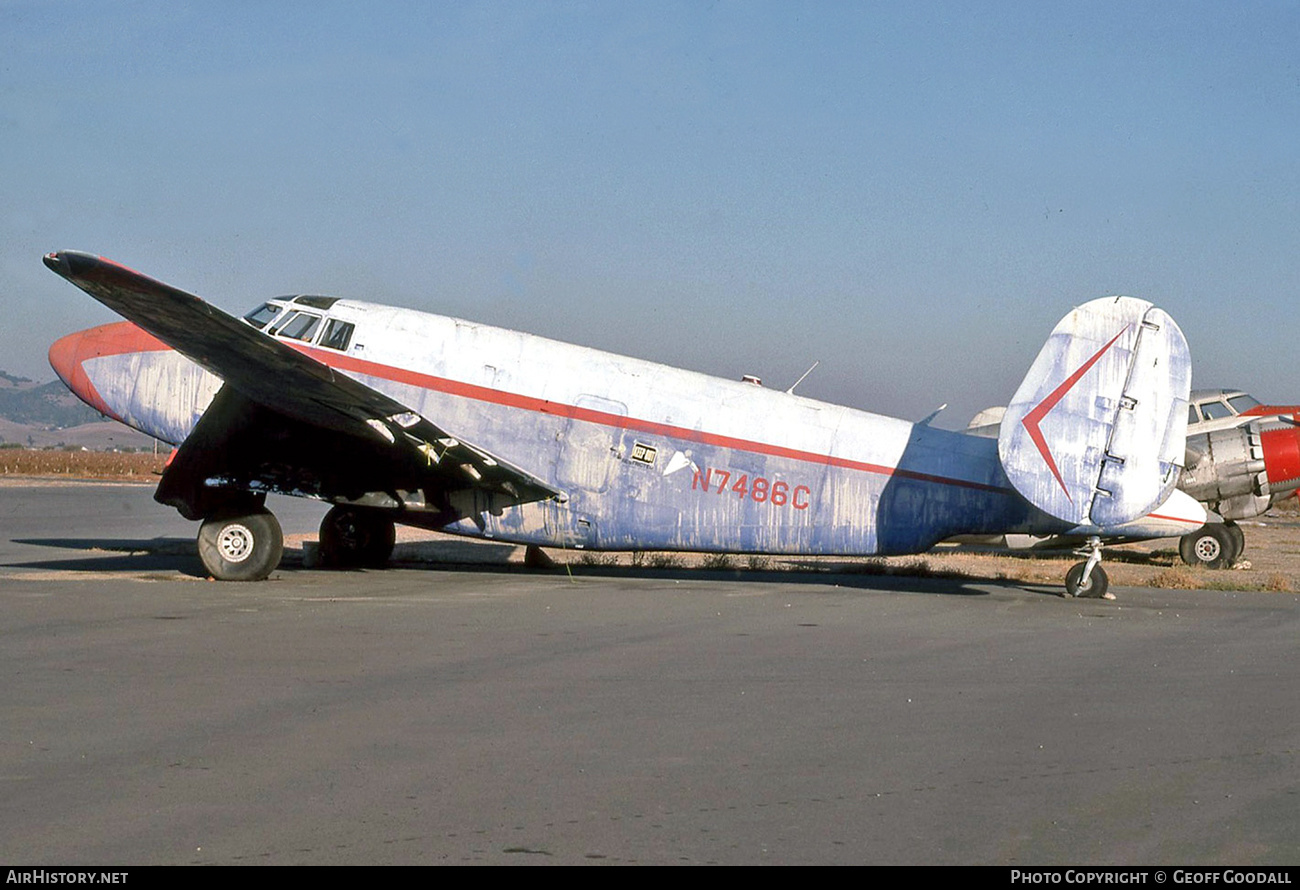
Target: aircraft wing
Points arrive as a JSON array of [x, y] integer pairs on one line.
[[272, 376]]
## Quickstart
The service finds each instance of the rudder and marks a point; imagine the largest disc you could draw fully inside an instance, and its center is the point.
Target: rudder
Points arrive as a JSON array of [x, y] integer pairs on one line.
[[1095, 433]]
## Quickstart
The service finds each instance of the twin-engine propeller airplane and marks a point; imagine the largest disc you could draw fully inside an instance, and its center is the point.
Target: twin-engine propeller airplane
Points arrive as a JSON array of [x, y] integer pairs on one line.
[[393, 415]]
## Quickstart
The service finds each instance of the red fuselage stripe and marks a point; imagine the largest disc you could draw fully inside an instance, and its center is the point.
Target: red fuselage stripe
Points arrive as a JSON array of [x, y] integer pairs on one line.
[[559, 409], [125, 337]]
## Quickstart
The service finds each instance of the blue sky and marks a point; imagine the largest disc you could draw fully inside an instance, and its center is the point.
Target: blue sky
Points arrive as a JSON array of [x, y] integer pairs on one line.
[[911, 193]]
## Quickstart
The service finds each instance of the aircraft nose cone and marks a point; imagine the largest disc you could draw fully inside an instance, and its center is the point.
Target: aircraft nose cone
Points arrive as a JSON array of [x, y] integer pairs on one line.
[[66, 355]]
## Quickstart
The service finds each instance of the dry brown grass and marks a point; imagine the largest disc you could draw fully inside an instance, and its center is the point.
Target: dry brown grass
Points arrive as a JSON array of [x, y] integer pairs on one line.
[[1177, 578], [1278, 583], [111, 465]]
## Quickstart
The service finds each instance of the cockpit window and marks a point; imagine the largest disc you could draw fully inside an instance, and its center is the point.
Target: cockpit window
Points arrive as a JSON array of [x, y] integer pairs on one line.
[[262, 315], [299, 326], [1192, 416], [316, 302], [1215, 410], [1243, 403], [338, 334]]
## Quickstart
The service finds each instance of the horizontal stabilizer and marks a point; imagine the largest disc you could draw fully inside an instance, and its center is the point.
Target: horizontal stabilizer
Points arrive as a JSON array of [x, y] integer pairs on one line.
[[1096, 430]]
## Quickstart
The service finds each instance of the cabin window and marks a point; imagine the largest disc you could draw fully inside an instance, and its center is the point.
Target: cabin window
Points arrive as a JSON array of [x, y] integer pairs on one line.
[[1243, 403], [299, 326], [1215, 410], [338, 334], [262, 315]]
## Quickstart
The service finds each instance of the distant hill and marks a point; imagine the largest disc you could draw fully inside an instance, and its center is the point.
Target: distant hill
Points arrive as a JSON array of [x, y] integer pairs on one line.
[[42, 404], [41, 415]]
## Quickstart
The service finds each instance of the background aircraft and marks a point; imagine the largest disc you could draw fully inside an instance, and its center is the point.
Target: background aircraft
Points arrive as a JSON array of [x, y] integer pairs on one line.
[[1242, 458], [394, 415]]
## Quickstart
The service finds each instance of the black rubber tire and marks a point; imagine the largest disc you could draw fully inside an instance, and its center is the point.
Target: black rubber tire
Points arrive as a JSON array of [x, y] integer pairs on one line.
[[241, 546], [1238, 540], [352, 537], [1098, 582], [1211, 546]]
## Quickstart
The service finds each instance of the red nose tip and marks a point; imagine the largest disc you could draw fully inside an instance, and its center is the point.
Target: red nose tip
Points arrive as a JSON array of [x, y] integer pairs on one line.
[[69, 356], [66, 357]]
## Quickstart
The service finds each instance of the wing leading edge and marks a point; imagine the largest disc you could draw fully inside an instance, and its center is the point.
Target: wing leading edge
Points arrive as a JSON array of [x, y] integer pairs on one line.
[[270, 384]]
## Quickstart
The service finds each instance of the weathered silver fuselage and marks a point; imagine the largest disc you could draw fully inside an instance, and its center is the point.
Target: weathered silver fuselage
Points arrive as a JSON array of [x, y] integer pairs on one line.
[[649, 456]]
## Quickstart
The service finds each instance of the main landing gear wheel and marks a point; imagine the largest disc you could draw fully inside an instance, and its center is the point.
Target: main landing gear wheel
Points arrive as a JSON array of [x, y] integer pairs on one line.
[[1214, 545], [350, 537], [241, 546], [1238, 538], [1097, 584]]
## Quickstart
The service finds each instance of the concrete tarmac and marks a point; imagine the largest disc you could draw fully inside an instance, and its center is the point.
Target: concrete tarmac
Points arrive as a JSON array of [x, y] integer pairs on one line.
[[497, 715]]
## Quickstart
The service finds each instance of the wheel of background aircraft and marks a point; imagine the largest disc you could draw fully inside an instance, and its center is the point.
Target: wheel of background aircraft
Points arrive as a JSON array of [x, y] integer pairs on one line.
[[1238, 539], [241, 546], [1098, 583], [1213, 545], [352, 537]]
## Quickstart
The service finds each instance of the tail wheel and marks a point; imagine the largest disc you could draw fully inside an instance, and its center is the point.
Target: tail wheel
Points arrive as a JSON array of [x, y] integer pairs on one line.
[[352, 537], [241, 546], [1213, 546], [1096, 588]]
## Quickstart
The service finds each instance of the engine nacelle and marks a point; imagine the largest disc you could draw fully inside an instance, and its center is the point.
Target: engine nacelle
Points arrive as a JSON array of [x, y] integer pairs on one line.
[[1240, 472]]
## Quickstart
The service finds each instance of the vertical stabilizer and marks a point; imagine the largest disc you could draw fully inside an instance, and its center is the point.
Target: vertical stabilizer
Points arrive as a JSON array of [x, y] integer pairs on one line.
[[1096, 430]]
